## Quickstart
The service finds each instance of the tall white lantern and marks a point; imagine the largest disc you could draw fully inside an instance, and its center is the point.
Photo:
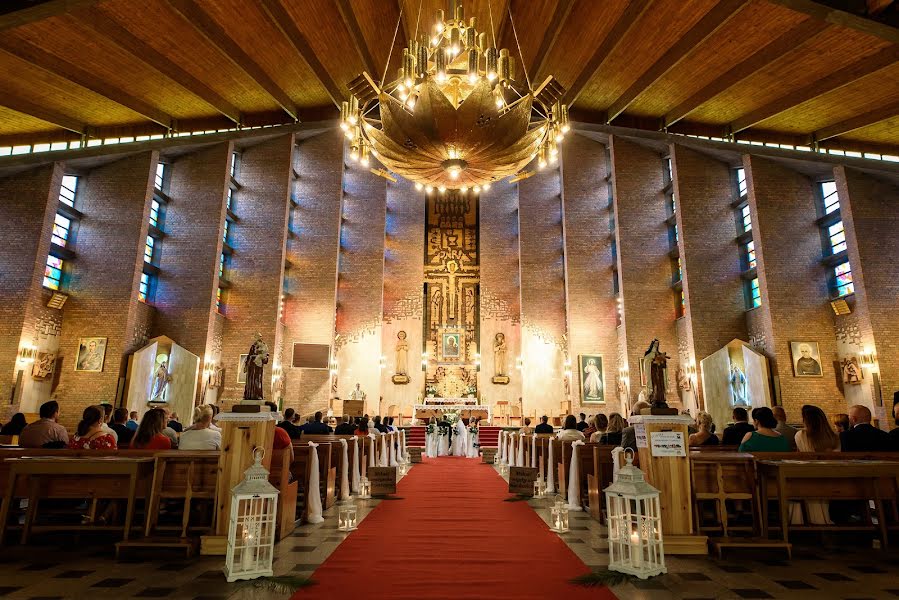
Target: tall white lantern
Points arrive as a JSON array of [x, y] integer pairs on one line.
[[634, 523], [251, 532]]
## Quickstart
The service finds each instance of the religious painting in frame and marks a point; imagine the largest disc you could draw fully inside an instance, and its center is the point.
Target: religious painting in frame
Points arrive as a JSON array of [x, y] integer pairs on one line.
[[591, 376], [91, 354], [451, 345], [806, 359], [241, 374]]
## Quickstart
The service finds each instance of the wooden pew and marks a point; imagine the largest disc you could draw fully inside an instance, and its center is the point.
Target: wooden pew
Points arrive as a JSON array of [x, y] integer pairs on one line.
[[330, 455], [720, 477], [181, 475], [337, 455], [280, 477], [595, 468]]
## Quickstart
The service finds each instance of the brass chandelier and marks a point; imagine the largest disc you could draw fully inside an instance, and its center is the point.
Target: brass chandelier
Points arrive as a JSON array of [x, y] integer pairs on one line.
[[456, 116]]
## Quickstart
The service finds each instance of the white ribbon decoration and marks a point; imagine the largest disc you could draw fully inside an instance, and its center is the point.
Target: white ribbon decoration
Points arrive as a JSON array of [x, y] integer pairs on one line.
[[345, 475], [313, 494], [374, 449], [356, 473], [521, 443], [403, 452], [502, 446], [550, 480], [574, 480], [534, 450], [384, 460], [512, 459], [394, 450]]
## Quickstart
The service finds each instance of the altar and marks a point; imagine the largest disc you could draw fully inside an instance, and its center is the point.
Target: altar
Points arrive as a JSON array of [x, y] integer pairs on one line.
[[437, 407]]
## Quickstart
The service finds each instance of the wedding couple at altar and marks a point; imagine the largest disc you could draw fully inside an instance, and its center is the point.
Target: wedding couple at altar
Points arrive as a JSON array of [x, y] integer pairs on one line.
[[457, 439]]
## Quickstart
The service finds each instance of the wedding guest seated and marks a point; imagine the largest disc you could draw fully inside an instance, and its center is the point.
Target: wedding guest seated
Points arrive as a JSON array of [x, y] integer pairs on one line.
[[46, 432], [282, 440], [815, 436], [629, 433], [287, 424], [782, 428], [544, 426], [90, 435], [582, 424], [569, 431], [346, 427], [704, 435], [614, 430], [132, 421], [215, 412], [119, 425], [200, 436], [175, 423], [316, 427], [764, 438], [168, 431], [596, 431], [864, 437], [15, 426], [840, 422], [106, 407], [379, 425], [734, 434], [362, 427], [149, 435], [527, 429]]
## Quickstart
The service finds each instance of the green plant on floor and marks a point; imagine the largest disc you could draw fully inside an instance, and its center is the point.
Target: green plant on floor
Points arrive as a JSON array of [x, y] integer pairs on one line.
[[606, 578], [283, 584]]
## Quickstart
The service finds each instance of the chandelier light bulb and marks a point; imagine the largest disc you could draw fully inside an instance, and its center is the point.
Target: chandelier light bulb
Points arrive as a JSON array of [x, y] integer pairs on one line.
[[441, 189], [472, 78], [454, 173], [491, 75], [486, 187], [419, 187], [344, 126], [429, 189], [409, 82], [353, 120], [411, 102], [349, 134], [566, 128], [463, 189], [354, 153], [403, 96], [364, 161], [476, 189], [439, 28], [435, 40]]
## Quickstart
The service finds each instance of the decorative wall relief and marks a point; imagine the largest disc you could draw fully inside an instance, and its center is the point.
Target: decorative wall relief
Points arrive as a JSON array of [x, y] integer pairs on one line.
[[405, 308], [493, 307], [368, 328]]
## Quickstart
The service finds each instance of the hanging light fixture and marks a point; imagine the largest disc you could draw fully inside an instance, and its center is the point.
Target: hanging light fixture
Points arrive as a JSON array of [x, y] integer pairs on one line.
[[457, 116]]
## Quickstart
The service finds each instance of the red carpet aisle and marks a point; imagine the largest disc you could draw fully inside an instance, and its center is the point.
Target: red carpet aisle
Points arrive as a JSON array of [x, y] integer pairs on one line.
[[452, 536]]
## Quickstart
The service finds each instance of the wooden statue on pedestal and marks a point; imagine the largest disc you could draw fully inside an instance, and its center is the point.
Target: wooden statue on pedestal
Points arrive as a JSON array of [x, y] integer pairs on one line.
[[257, 358], [655, 366]]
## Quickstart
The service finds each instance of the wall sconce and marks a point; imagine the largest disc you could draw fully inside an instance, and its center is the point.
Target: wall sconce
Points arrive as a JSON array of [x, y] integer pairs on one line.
[[691, 370], [867, 359], [424, 361], [567, 368], [27, 354], [383, 362], [519, 363]]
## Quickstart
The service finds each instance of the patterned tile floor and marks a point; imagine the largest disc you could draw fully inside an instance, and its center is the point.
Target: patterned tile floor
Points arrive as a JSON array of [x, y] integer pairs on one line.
[[842, 567]]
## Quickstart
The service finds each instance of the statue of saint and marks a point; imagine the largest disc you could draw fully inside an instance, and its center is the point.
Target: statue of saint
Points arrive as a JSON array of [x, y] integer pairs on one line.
[[738, 386], [257, 358], [402, 354], [160, 383], [655, 365], [499, 354]]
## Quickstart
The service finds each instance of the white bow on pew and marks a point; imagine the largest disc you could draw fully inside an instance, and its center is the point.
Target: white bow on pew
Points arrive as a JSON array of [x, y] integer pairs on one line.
[[574, 480], [344, 477], [313, 494], [356, 470]]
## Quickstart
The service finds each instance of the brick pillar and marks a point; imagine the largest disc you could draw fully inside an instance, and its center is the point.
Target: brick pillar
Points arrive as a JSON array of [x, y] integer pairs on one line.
[[312, 252], [591, 296], [360, 286], [189, 258], [643, 264], [793, 282], [30, 200], [256, 271], [867, 206], [544, 343], [500, 309], [115, 200], [403, 292], [710, 260]]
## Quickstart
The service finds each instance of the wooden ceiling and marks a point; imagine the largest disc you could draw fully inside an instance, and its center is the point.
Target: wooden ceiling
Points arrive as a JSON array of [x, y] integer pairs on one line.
[[785, 71]]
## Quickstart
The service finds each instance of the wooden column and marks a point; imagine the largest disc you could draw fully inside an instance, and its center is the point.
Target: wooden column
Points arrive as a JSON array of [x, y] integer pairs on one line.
[[671, 476]]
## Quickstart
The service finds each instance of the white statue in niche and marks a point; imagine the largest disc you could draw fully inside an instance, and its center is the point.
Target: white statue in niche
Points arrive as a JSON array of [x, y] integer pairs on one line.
[[738, 386], [161, 380], [402, 354]]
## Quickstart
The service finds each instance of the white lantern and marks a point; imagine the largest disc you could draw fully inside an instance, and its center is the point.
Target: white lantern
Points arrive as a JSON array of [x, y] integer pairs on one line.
[[364, 488], [346, 517], [539, 488], [559, 516], [251, 532], [634, 523]]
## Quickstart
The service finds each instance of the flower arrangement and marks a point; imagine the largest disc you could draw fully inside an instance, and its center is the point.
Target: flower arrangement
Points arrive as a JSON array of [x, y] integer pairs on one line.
[[444, 431], [431, 391], [431, 428]]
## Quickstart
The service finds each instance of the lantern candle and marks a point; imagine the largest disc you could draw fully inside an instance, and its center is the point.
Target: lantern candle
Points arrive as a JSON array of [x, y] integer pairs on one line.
[[364, 488], [251, 531], [636, 549], [346, 517]]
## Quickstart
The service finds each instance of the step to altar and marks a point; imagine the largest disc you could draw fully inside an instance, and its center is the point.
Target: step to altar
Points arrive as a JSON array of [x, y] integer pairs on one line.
[[488, 436]]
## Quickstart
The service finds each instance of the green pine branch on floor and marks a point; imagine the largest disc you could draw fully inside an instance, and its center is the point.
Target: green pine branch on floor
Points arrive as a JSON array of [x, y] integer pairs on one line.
[[606, 578], [283, 584]]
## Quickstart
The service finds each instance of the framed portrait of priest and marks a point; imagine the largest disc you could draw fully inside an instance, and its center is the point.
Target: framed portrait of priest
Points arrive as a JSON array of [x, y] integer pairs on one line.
[[806, 359], [591, 376], [91, 354]]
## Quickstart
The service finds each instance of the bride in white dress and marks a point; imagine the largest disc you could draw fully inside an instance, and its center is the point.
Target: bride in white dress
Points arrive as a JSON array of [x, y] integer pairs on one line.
[[431, 439], [442, 442], [460, 439], [473, 436]]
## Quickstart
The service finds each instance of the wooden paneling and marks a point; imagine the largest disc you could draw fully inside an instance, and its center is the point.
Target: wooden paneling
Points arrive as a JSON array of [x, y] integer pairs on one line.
[[16, 123], [377, 21], [881, 133]]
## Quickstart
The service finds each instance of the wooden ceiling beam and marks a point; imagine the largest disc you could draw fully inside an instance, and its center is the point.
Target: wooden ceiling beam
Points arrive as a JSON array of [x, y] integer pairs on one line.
[[836, 80], [857, 122], [206, 26], [500, 21], [560, 15], [842, 18], [26, 107], [631, 14], [62, 68], [279, 16], [352, 25], [107, 27], [39, 11], [711, 22], [787, 42], [404, 18]]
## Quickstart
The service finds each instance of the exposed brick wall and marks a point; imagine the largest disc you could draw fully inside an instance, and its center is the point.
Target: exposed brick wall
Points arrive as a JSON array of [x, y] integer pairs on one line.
[[115, 200], [500, 309], [643, 263], [871, 220], [710, 260], [591, 296], [793, 282], [402, 291], [189, 254], [312, 252], [29, 203], [542, 292], [256, 270], [360, 285]]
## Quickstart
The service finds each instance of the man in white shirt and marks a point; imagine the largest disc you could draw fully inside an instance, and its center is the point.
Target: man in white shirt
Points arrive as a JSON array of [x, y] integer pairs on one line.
[[200, 436]]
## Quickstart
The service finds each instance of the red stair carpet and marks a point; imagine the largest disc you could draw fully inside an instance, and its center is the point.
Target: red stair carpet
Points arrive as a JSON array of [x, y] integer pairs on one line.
[[489, 436], [450, 535]]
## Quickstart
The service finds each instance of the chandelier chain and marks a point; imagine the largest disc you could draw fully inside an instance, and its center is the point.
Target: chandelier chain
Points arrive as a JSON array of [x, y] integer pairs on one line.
[[524, 67], [492, 26], [399, 21]]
